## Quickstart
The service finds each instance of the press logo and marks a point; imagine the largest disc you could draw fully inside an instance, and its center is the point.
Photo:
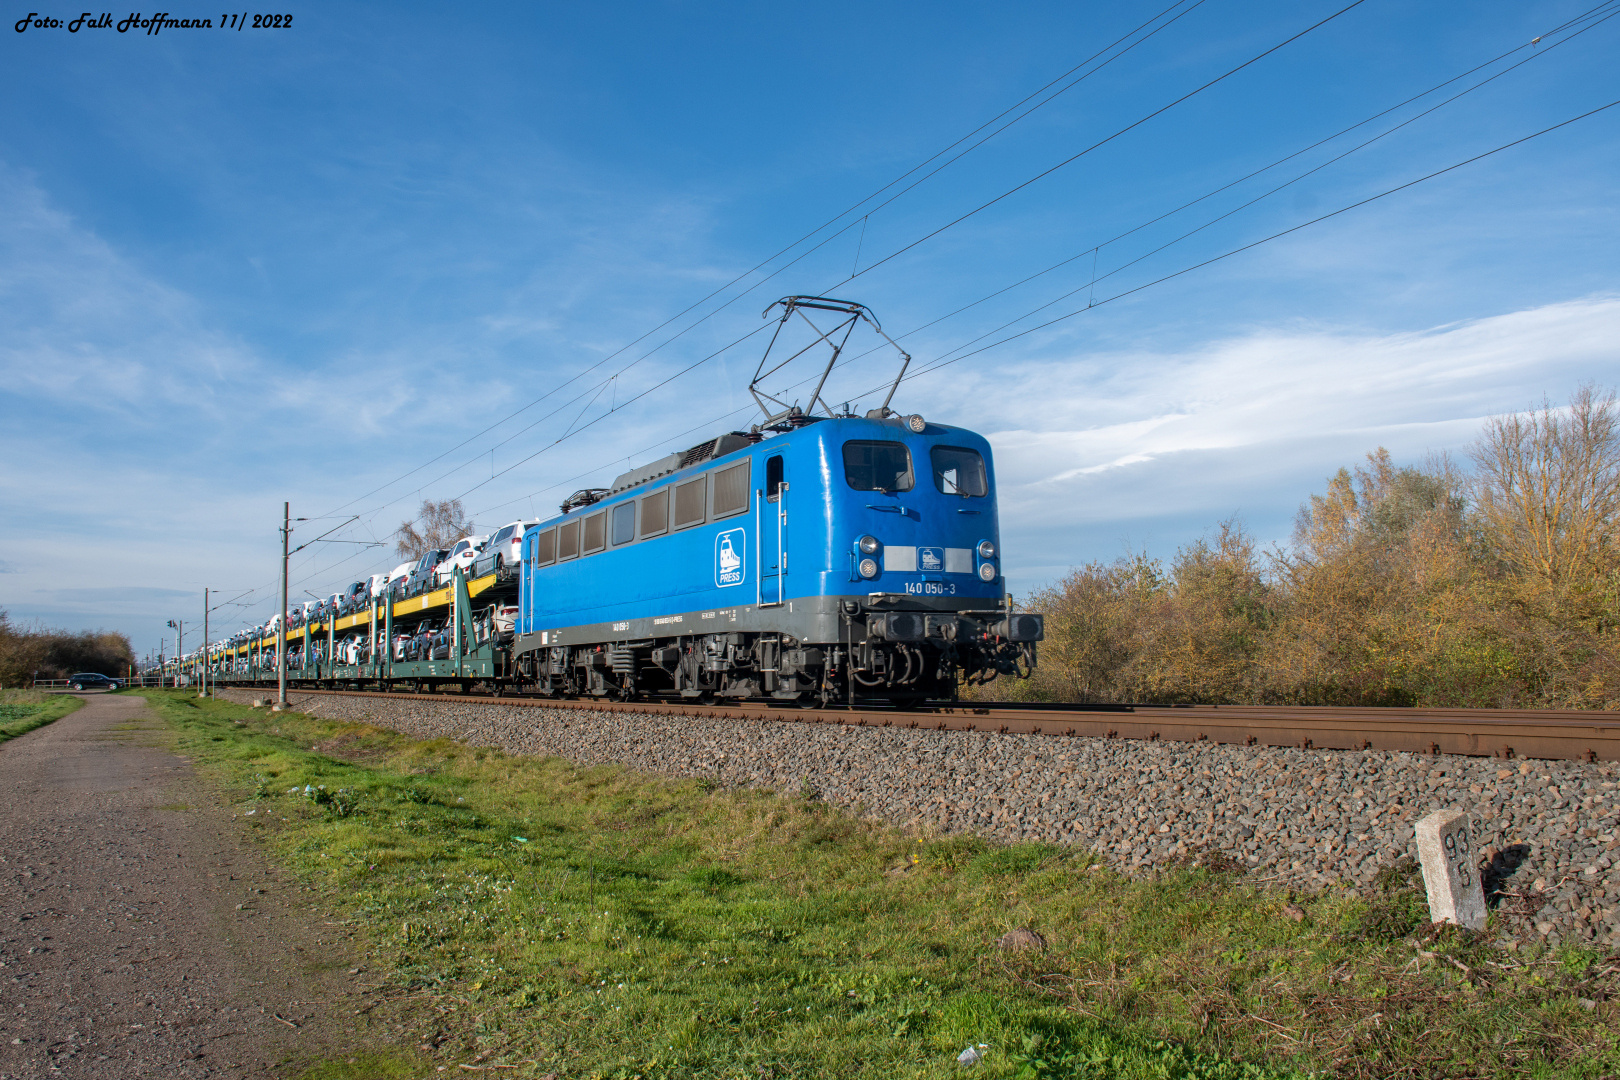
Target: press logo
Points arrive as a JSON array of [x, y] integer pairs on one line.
[[931, 558], [730, 547]]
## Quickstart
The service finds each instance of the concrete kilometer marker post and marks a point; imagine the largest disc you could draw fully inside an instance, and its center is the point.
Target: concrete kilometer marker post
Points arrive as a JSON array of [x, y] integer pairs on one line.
[[1445, 841]]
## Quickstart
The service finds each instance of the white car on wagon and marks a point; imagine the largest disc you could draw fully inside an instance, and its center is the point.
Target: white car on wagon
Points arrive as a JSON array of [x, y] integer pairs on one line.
[[462, 553], [507, 543]]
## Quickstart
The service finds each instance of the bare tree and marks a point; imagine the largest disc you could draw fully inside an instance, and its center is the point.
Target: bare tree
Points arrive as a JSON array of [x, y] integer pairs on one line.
[[1548, 486], [437, 525]]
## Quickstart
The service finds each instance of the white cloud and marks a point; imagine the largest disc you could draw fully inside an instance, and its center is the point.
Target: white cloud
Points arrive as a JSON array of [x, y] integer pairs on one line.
[[1104, 450]]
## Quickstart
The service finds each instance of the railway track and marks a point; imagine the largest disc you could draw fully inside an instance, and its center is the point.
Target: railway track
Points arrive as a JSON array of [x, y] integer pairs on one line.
[[1565, 734]]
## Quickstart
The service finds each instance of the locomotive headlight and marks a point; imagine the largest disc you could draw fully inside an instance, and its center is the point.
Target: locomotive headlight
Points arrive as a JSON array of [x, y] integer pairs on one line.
[[869, 568], [987, 571], [869, 545], [987, 550], [916, 423]]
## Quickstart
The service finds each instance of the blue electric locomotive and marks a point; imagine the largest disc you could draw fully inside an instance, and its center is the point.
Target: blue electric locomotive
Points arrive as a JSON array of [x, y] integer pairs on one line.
[[818, 559]]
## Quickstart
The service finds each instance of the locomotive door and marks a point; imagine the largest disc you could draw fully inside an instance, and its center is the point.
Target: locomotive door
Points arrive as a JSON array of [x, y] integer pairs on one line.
[[772, 544]]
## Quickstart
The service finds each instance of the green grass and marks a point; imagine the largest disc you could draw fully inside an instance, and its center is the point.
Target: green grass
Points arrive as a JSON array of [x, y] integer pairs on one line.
[[21, 711], [597, 922], [364, 1066]]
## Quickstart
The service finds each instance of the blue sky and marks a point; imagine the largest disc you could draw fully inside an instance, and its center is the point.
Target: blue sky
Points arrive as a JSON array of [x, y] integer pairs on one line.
[[242, 267]]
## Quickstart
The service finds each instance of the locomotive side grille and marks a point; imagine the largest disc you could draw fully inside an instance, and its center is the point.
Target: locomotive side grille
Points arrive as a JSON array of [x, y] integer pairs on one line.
[[545, 548], [595, 532], [731, 490], [655, 513], [689, 503], [568, 540]]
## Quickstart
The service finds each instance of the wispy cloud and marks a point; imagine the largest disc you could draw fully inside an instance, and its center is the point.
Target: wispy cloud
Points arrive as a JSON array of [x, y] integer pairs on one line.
[[81, 325], [1252, 423]]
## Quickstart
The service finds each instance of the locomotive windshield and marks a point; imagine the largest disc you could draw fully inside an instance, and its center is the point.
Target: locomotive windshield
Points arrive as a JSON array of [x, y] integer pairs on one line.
[[871, 465], [959, 471]]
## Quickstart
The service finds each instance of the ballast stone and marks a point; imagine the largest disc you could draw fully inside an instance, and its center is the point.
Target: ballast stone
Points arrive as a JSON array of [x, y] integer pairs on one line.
[[1315, 819], [1445, 843]]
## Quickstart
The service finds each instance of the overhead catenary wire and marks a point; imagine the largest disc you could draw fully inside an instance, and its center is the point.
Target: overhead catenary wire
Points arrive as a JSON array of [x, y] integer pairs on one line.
[[1095, 249], [1157, 112], [1019, 187], [1591, 18], [1190, 5], [1098, 144], [929, 368], [1096, 279], [926, 369], [1090, 250], [858, 273], [1591, 13]]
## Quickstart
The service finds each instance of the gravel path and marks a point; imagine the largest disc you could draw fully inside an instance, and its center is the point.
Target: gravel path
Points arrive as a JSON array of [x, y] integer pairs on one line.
[[1306, 819], [141, 934]]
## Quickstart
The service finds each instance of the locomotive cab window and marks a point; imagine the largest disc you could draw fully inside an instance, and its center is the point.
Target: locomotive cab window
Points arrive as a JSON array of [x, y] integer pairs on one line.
[[873, 465], [773, 477], [624, 522], [959, 471]]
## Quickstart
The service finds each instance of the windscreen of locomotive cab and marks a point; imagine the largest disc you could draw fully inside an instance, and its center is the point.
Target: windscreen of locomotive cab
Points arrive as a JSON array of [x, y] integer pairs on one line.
[[959, 471], [877, 465]]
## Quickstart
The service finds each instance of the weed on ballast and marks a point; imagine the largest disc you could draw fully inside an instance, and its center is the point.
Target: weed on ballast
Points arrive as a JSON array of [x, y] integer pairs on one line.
[[597, 922]]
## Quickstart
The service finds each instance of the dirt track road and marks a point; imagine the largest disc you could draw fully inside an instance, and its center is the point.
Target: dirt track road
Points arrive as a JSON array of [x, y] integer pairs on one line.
[[141, 934]]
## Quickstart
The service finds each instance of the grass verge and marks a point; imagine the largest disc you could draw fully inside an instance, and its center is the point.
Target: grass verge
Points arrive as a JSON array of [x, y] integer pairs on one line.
[[598, 922], [21, 711]]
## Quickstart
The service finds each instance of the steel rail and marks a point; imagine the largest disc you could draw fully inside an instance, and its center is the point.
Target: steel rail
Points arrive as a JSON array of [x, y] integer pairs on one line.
[[1556, 734]]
